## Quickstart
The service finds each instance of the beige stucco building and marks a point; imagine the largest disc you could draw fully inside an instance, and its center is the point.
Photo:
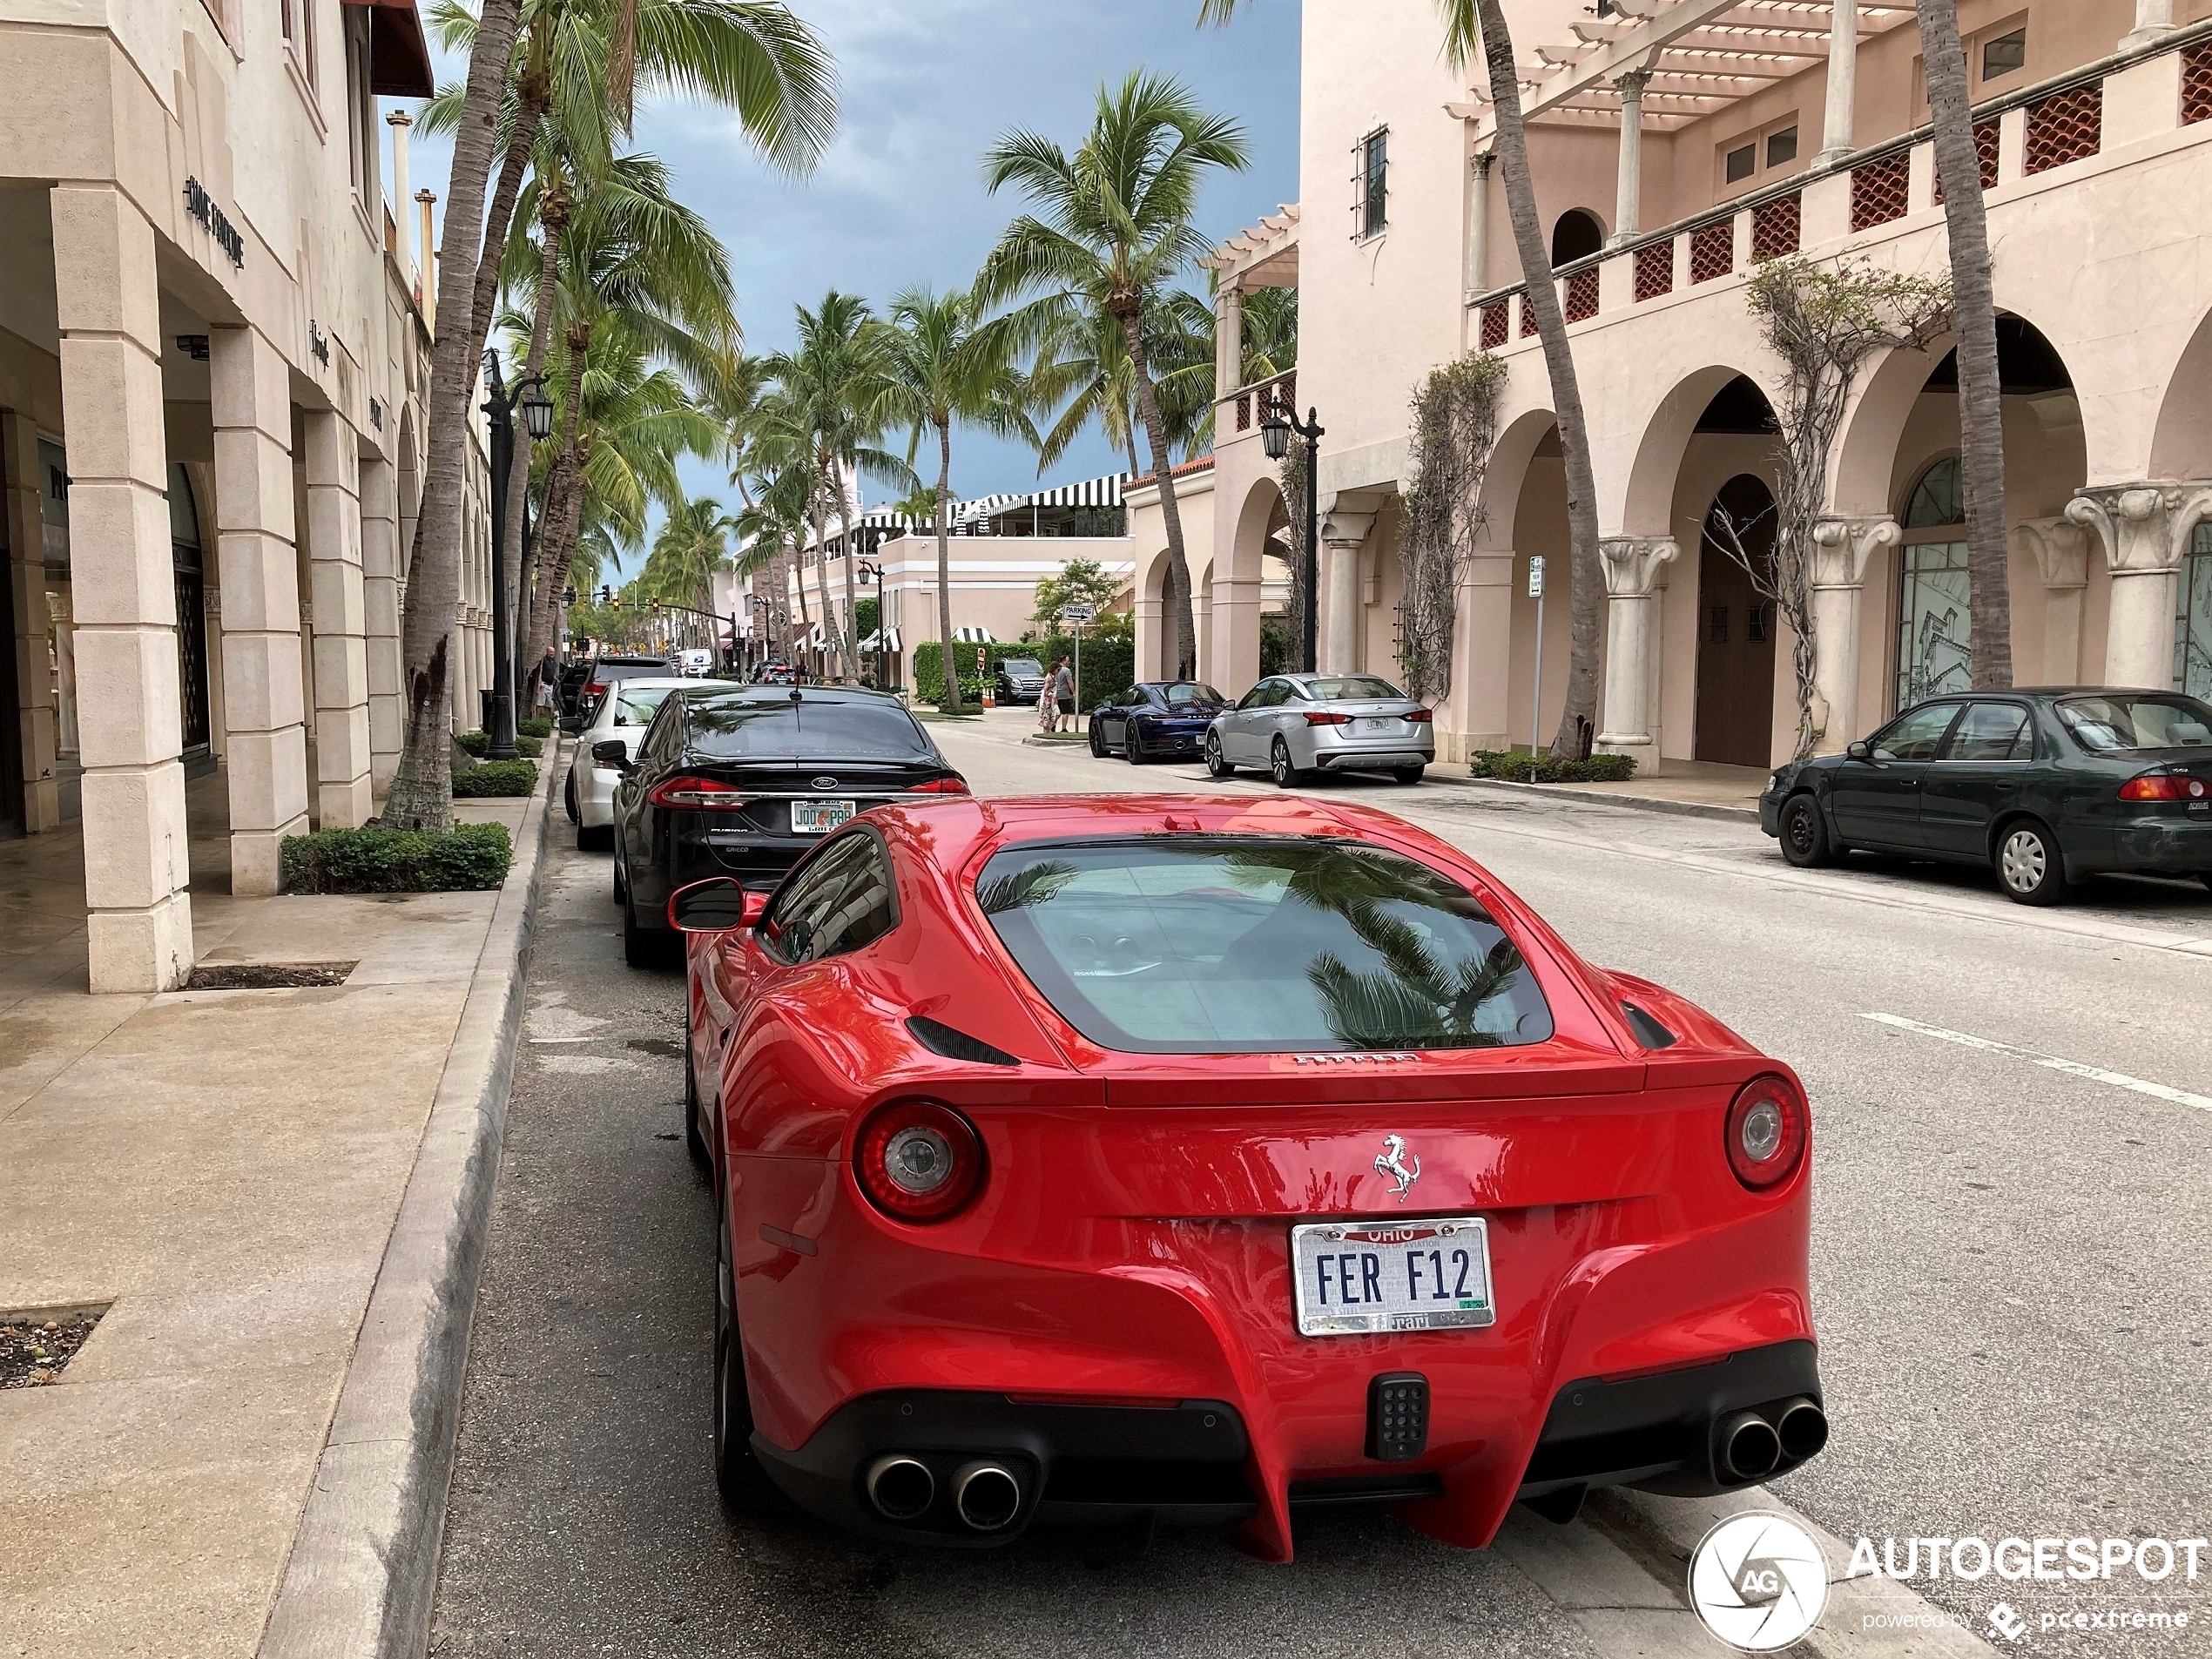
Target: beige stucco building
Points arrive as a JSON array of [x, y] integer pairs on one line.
[[213, 351], [1672, 149]]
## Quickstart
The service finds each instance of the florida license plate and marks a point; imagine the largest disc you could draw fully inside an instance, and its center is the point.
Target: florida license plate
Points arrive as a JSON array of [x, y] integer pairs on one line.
[[1376, 722], [818, 817], [1353, 1278]]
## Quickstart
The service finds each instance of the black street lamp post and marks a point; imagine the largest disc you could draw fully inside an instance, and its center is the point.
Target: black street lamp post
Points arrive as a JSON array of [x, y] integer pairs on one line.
[[1276, 432], [871, 576], [537, 416]]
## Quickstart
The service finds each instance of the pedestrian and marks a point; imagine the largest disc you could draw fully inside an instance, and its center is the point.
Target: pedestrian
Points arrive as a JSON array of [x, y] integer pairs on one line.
[[1064, 696], [549, 677]]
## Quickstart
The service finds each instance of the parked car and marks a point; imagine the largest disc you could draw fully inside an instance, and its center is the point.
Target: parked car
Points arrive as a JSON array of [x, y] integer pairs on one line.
[[743, 780], [1155, 720], [1018, 679], [1296, 723], [622, 717], [2045, 787], [1087, 1159], [573, 677], [777, 673], [605, 671]]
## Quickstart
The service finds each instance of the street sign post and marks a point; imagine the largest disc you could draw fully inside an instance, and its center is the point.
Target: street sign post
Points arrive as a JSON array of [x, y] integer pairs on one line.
[[1536, 702]]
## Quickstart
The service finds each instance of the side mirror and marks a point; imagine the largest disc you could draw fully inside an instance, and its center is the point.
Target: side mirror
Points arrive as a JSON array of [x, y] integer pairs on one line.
[[715, 905], [612, 751], [1861, 750]]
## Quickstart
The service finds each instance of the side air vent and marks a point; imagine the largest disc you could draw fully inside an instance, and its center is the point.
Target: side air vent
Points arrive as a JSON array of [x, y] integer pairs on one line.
[[1648, 1031], [939, 1038]]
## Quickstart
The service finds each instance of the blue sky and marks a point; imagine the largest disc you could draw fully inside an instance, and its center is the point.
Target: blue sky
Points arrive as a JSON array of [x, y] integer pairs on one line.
[[898, 199]]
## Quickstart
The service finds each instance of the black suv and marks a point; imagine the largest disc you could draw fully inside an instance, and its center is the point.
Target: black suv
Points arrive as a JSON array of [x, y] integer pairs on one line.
[[605, 671], [1019, 679]]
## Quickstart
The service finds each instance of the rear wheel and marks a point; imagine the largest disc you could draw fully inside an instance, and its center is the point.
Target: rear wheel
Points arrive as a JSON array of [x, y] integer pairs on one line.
[[567, 799], [642, 946], [1280, 767], [594, 838], [1408, 774], [694, 1132], [1217, 763], [2030, 868], [621, 879], [747, 1493], [1804, 833]]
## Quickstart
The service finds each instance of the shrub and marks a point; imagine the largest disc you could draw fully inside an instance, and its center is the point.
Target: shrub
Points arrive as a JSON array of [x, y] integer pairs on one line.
[[479, 742], [1512, 765], [1109, 666], [536, 726], [375, 860], [505, 778]]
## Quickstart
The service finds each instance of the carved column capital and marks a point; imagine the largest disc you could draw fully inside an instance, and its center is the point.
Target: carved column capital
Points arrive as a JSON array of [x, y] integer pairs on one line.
[[1632, 563], [1842, 546], [2145, 526], [2060, 547]]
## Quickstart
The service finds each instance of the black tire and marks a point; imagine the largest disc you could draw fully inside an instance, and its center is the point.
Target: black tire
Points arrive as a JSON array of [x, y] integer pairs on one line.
[[621, 879], [1218, 764], [747, 1493], [645, 946], [1408, 774], [594, 838], [2206, 879], [1280, 767], [567, 799], [694, 1134], [1133, 744], [1804, 833], [1097, 743], [2030, 867]]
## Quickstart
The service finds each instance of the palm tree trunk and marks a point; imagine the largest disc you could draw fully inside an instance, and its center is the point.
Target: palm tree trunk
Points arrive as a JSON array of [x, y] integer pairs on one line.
[[422, 791], [852, 628], [533, 94], [1981, 424], [1185, 630], [945, 567], [832, 648], [1586, 576]]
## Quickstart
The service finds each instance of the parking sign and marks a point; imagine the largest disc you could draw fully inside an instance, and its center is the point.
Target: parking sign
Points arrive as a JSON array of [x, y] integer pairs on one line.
[[1535, 575]]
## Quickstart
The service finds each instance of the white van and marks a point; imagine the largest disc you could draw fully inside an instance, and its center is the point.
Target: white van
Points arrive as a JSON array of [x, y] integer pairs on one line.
[[698, 663]]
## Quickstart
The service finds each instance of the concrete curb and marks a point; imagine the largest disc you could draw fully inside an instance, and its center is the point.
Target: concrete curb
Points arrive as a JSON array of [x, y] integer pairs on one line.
[[1572, 792], [1042, 742], [364, 1560]]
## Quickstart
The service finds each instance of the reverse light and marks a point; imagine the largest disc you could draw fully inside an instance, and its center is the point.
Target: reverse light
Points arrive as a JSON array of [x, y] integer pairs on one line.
[[1422, 716], [918, 1161], [1326, 716], [940, 786], [697, 795], [1766, 1132], [2163, 786]]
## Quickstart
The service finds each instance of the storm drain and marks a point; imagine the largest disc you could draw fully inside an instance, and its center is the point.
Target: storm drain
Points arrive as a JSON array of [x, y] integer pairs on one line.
[[267, 976], [37, 1344]]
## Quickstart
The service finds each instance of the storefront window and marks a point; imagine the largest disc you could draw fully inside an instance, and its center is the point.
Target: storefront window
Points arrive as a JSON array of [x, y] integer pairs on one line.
[[2193, 625], [1934, 652], [61, 649]]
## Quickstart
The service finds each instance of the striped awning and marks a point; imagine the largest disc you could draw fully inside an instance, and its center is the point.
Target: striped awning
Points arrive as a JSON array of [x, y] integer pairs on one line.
[[972, 637], [1104, 492], [887, 640]]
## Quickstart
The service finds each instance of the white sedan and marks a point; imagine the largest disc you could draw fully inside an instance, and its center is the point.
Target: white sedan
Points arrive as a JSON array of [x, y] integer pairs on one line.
[[623, 715]]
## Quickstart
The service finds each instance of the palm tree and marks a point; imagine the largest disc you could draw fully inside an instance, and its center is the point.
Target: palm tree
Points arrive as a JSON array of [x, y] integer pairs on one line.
[[946, 365], [691, 549], [1981, 419], [1112, 227], [1473, 26]]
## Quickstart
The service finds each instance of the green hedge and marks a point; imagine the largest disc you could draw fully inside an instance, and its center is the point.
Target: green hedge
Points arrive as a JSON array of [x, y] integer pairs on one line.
[[503, 777], [1108, 666], [1512, 765], [470, 856], [479, 742], [536, 726]]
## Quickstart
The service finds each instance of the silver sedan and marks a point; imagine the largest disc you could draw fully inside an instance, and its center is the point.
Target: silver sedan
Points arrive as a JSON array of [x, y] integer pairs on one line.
[[623, 713], [1294, 723]]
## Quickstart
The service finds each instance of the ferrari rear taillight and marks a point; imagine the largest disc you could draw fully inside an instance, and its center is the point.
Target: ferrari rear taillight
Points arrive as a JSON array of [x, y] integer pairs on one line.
[[697, 795], [918, 1161], [1766, 1131], [2163, 786], [1326, 716], [1422, 716], [941, 786]]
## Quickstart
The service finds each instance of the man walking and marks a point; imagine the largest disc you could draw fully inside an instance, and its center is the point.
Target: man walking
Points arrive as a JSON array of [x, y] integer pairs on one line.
[[1062, 689]]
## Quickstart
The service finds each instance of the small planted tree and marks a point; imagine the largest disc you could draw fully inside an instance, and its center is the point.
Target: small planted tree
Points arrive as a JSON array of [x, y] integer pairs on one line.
[[1080, 581], [1454, 429], [1825, 322]]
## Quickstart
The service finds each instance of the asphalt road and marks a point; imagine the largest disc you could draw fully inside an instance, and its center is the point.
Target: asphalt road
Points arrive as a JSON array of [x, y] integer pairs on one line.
[[2008, 1273]]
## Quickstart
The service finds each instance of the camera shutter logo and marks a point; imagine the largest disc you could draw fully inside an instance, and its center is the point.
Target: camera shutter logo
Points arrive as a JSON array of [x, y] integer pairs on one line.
[[1758, 1582]]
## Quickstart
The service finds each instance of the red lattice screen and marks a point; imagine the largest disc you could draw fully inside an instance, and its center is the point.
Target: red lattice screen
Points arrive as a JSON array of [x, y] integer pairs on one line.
[[1528, 318], [2065, 126], [1881, 190], [1774, 227], [1655, 270], [1243, 411], [1497, 322], [1581, 295], [1286, 393], [2197, 84], [1986, 142], [1712, 250]]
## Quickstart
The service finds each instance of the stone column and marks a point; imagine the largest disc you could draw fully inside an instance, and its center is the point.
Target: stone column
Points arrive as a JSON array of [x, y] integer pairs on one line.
[[381, 610], [265, 741], [2145, 527], [1229, 339], [1836, 141], [2154, 19], [342, 624], [1344, 530], [1632, 564], [2062, 551], [1841, 549], [137, 862], [1628, 202], [1478, 272], [25, 575], [1482, 658]]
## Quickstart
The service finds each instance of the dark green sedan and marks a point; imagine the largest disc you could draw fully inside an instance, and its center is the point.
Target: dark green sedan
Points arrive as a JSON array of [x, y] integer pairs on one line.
[[2044, 787]]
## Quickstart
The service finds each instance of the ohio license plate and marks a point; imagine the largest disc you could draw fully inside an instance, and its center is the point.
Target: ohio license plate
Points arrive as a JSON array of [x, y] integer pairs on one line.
[[1357, 1276], [818, 817]]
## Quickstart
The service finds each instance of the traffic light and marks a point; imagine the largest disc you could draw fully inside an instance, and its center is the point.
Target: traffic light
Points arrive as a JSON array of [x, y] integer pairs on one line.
[[655, 607], [567, 595], [606, 595]]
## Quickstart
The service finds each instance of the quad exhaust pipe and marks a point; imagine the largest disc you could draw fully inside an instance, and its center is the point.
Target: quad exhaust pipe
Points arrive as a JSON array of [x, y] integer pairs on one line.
[[1751, 1448], [987, 1495], [899, 1486], [1803, 1429]]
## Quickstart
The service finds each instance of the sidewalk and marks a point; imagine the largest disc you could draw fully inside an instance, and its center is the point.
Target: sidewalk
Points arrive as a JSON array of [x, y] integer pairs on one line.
[[221, 1172], [1692, 788]]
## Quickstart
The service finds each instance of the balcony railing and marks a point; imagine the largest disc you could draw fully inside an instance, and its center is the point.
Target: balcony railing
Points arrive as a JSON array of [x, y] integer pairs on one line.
[[1250, 403]]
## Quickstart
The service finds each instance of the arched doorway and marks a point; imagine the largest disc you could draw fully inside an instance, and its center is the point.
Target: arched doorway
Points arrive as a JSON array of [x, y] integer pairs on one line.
[[1735, 626], [1935, 591], [1577, 236], [190, 564]]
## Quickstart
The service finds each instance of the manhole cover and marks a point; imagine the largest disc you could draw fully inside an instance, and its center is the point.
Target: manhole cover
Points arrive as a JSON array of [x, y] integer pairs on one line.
[[266, 976], [37, 1344]]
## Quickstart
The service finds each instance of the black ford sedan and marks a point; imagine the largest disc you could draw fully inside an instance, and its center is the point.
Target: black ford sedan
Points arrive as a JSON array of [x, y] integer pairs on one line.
[[1155, 720], [743, 782], [2046, 787]]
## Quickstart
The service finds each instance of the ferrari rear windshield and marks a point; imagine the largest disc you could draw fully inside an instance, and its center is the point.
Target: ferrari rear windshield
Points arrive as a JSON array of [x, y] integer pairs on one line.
[[805, 728], [1211, 944]]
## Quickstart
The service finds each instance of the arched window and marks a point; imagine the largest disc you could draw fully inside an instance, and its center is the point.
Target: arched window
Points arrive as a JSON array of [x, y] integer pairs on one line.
[[1577, 236], [1934, 593]]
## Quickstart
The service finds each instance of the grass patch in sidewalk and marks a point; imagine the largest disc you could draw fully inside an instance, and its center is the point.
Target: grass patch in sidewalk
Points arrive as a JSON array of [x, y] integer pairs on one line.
[[468, 858], [1513, 766]]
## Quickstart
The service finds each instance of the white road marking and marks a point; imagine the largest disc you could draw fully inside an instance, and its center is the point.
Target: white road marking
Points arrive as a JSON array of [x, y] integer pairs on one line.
[[2073, 1068]]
